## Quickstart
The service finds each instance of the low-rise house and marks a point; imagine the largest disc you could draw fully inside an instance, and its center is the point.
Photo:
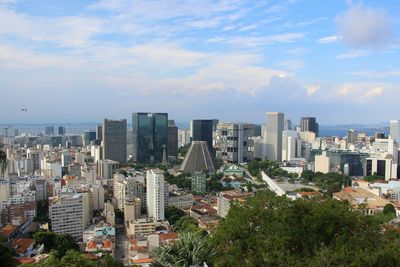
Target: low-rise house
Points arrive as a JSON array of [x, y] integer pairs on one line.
[[24, 247], [225, 198], [141, 226], [362, 199], [180, 200], [100, 246], [235, 171], [9, 231]]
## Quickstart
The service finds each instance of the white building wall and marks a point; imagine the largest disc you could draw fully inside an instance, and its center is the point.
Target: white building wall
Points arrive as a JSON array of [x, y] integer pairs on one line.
[[155, 194]]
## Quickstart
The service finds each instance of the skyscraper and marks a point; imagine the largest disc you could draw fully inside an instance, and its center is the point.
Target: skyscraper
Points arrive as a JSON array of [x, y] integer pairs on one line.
[[202, 130], [99, 133], [150, 137], [114, 140], [309, 124], [351, 136], [88, 136], [395, 130], [275, 125], [155, 194], [233, 142], [172, 139], [291, 145], [49, 130], [61, 130], [287, 125]]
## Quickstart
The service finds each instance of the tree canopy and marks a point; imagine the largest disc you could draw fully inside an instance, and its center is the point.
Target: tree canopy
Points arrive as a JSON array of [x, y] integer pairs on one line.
[[191, 249], [173, 214], [59, 242], [273, 231], [73, 258]]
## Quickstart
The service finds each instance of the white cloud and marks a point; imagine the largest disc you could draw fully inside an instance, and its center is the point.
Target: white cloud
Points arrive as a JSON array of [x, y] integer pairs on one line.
[[376, 91], [329, 39], [65, 31], [364, 91], [353, 54], [376, 74], [312, 89], [255, 41], [365, 27]]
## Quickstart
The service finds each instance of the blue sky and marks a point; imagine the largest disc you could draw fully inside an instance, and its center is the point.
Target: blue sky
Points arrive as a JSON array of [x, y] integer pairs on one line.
[[81, 61]]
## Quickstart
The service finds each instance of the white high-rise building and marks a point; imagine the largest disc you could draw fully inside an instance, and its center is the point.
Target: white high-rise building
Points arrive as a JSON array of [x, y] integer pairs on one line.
[[67, 215], [155, 194], [275, 126], [127, 188], [291, 145], [395, 130]]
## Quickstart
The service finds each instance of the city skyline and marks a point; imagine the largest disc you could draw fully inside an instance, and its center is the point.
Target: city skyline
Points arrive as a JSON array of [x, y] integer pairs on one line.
[[66, 61]]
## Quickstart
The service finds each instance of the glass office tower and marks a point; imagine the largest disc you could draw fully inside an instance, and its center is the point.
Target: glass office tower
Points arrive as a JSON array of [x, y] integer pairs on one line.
[[150, 137]]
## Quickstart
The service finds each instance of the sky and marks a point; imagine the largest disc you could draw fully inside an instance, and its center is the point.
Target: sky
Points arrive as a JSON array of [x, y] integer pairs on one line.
[[82, 61]]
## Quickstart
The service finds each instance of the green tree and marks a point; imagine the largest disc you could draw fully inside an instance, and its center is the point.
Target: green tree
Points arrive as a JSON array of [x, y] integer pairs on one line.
[[47, 238], [186, 224], [74, 258], [3, 162], [373, 178], [7, 256], [173, 214], [308, 175], [273, 231], [42, 211], [61, 243], [389, 209], [191, 249]]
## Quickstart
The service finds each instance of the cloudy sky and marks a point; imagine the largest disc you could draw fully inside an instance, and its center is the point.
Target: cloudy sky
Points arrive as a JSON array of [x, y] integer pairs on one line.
[[81, 61]]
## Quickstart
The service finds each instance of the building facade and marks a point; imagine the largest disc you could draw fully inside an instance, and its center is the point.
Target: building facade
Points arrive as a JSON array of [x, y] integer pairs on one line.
[[233, 142], [150, 137], [275, 126], [309, 124], [114, 140], [155, 194]]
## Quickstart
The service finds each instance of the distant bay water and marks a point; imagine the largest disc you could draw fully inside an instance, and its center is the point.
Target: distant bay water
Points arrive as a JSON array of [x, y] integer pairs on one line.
[[78, 128]]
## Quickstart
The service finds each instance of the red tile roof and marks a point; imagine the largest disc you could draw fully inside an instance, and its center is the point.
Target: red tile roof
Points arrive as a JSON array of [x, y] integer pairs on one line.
[[107, 244], [22, 244], [145, 260], [7, 230], [26, 260], [169, 236], [92, 245], [348, 189]]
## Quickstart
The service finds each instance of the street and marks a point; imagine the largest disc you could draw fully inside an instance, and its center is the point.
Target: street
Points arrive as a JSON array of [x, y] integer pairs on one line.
[[121, 245]]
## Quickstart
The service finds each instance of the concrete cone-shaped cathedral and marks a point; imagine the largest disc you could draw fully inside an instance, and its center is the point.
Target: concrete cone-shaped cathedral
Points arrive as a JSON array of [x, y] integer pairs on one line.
[[199, 158]]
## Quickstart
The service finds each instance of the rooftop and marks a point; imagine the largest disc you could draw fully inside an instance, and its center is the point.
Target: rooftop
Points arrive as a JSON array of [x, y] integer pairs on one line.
[[8, 230]]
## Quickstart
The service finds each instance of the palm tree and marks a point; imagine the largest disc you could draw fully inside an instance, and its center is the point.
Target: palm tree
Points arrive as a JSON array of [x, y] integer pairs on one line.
[[3, 162], [191, 249]]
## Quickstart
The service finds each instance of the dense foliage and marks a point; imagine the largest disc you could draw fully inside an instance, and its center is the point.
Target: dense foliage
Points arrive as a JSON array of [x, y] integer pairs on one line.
[[173, 214], [273, 231], [3, 162], [42, 211], [59, 242], [192, 249], [373, 178], [74, 258], [214, 183], [182, 180], [328, 182], [271, 168], [6, 254], [186, 224]]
